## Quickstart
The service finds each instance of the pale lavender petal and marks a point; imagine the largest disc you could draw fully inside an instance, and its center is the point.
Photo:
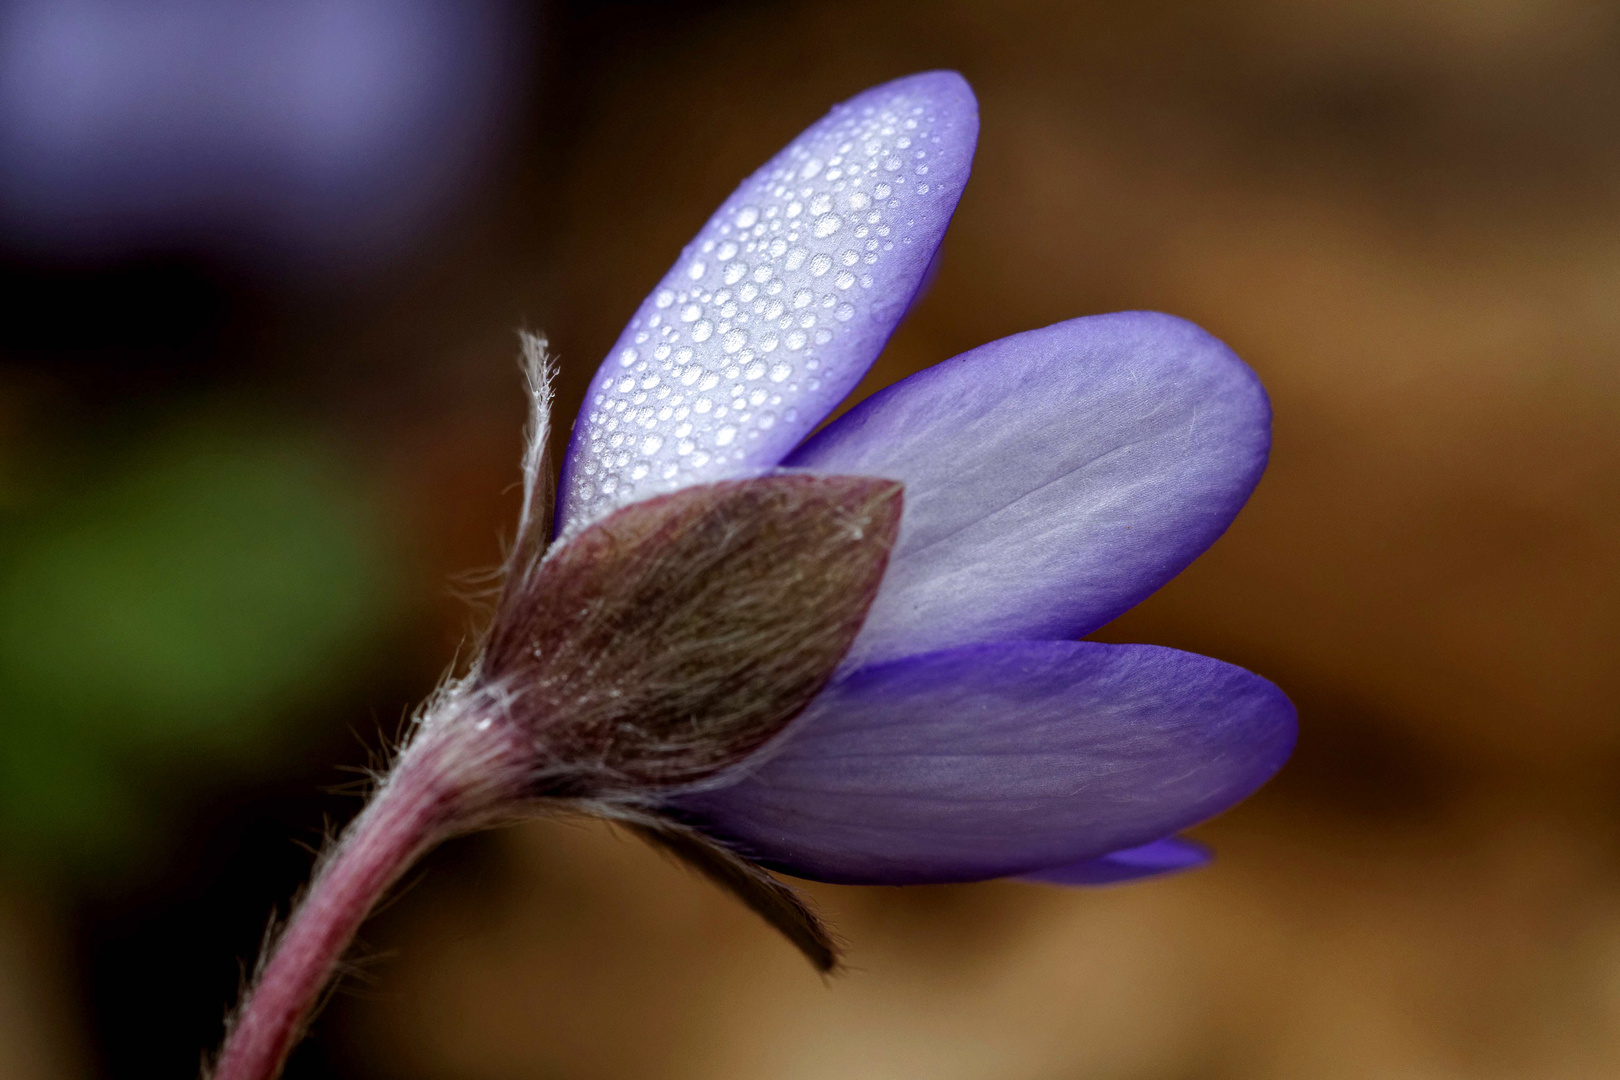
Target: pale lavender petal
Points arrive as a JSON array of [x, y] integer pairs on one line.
[[994, 760], [1053, 478], [776, 309], [1167, 856]]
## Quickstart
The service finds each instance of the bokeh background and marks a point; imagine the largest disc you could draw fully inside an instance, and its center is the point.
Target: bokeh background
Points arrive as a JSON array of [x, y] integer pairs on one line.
[[261, 267]]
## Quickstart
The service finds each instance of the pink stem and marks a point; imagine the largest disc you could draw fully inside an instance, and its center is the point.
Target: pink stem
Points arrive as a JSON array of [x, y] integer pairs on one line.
[[419, 805]]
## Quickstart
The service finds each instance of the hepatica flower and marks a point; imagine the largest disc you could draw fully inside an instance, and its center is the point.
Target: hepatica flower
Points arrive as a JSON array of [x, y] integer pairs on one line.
[[850, 655]]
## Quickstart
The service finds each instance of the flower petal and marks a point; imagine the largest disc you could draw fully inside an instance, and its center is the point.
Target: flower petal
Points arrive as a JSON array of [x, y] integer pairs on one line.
[[1001, 759], [776, 309], [1053, 478], [1168, 856]]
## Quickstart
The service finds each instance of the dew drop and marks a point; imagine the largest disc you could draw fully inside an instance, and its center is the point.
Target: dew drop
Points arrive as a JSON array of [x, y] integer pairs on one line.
[[696, 270], [725, 435], [664, 298], [779, 372], [702, 331], [820, 264], [734, 340], [827, 224], [628, 357]]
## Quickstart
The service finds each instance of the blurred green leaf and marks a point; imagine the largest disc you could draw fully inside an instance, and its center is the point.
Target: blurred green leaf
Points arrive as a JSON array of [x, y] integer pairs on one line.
[[175, 615]]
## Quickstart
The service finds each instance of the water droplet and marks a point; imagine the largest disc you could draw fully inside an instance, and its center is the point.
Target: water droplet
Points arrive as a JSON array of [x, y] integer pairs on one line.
[[765, 421], [802, 298], [690, 375], [811, 168], [734, 273], [747, 216], [710, 381], [860, 201], [702, 330], [922, 189], [881, 192], [780, 372], [820, 264], [844, 280], [762, 274], [849, 257], [795, 340], [821, 204], [734, 340], [725, 435], [728, 250], [640, 469], [795, 259], [696, 270], [685, 446], [826, 225], [628, 357], [690, 313], [845, 312], [652, 444], [626, 384], [664, 298]]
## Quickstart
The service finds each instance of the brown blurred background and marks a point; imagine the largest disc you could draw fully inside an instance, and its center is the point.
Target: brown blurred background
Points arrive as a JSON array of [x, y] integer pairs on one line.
[[1404, 215]]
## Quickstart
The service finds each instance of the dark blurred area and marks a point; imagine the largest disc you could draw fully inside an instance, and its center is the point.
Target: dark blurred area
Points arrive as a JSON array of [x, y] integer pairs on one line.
[[259, 419]]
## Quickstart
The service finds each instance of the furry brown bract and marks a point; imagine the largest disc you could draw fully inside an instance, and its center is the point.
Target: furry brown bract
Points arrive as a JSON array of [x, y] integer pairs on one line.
[[678, 635]]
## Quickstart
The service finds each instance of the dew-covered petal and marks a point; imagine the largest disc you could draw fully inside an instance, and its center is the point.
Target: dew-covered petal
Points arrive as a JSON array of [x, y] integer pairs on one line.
[[1167, 856], [776, 309], [994, 760], [1053, 478]]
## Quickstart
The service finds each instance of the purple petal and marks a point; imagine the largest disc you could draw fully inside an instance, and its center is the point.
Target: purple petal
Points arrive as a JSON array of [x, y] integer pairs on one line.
[[1001, 759], [776, 309], [1053, 478], [1167, 856]]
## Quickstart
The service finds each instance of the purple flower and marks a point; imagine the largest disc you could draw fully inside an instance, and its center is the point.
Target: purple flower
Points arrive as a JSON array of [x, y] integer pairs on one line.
[[850, 658], [1052, 480]]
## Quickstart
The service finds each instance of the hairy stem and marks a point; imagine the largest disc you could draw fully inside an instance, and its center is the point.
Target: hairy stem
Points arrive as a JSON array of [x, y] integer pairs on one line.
[[421, 803]]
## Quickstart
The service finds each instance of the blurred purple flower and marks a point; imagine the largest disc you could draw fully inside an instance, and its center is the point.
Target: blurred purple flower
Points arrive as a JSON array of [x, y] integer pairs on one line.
[[1052, 480], [309, 130]]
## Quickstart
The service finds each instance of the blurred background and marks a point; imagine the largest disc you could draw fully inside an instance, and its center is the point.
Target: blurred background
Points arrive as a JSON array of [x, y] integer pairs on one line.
[[262, 264]]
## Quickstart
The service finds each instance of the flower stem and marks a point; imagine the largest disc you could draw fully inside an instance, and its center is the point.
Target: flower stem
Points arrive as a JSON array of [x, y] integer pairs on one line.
[[417, 806]]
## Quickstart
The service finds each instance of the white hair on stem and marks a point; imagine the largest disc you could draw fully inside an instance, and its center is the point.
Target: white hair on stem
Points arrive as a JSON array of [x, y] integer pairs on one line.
[[534, 520]]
